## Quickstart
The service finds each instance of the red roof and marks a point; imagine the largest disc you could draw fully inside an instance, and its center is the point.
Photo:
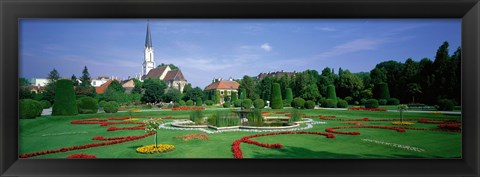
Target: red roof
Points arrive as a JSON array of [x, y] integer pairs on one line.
[[103, 87], [174, 75], [155, 72], [223, 85]]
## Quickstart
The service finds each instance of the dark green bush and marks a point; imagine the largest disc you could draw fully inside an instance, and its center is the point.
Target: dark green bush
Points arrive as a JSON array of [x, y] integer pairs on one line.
[[209, 102], [382, 102], [342, 104], [276, 99], [189, 103], [446, 105], [247, 103], [65, 101], [87, 105], [226, 105], [111, 107], [330, 103], [363, 101], [182, 103], [298, 103], [309, 104], [288, 96], [198, 101], [393, 101], [259, 103], [237, 103], [287, 103], [371, 103], [46, 104], [331, 93], [29, 109], [323, 102], [349, 99], [356, 103], [102, 103], [380, 91]]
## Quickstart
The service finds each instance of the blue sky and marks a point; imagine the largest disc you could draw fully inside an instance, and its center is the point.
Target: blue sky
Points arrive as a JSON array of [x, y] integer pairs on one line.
[[208, 48]]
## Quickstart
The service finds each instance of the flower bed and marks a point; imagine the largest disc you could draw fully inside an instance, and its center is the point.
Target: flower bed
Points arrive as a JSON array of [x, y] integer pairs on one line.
[[190, 137], [188, 108], [81, 156], [450, 127], [333, 129], [151, 149], [237, 151], [367, 109], [426, 121], [353, 122]]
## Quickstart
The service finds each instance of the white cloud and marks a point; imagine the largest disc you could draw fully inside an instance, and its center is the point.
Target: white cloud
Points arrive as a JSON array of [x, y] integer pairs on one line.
[[326, 29], [354, 46], [266, 47]]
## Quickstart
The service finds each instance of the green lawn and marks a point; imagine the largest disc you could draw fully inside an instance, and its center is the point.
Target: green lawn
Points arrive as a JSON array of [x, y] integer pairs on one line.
[[49, 133]]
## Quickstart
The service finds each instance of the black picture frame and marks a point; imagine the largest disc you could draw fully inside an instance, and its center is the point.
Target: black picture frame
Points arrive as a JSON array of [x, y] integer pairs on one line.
[[11, 11]]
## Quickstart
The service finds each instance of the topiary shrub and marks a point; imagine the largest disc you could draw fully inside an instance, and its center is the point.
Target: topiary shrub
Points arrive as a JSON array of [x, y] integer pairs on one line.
[[87, 105], [226, 105], [209, 102], [46, 104], [102, 103], [298, 103], [198, 102], [29, 109], [309, 104], [349, 99], [276, 101], [237, 103], [189, 103], [182, 103], [380, 91], [287, 103], [445, 105], [382, 102], [288, 96], [330, 103], [65, 101], [323, 102], [393, 101], [247, 103], [363, 101], [331, 94], [259, 103], [371, 103], [111, 107], [342, 104]]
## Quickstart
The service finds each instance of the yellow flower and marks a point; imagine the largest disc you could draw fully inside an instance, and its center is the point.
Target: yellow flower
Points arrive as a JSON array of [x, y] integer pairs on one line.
[[150, 149]]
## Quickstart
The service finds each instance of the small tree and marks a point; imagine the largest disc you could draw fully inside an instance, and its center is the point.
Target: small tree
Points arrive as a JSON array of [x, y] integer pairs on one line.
[[402, 108], [331, 93], [276, 102], [152, 125]]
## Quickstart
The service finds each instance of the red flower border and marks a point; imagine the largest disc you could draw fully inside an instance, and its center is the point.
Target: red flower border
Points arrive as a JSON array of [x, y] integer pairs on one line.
[[81, 156]]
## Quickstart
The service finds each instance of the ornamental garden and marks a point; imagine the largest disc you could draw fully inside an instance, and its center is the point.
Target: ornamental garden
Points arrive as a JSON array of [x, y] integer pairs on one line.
[[397, 110]]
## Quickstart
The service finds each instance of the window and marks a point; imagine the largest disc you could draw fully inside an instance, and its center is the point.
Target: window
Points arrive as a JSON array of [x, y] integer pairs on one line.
[[229, 92], [221, 92]]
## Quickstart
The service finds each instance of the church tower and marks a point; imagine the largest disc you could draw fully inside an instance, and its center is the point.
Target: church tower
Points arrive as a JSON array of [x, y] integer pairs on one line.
[[148, 62]]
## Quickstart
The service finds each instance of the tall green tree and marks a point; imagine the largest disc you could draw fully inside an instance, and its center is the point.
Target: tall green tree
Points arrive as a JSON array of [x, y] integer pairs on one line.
[[349, 85], [85, 87], [65, 100], [23, 82], [49, 92], [276, 98], [264, 87], [154, 90], [172, 95], [138, 87], [457, 59], [443, 73], [74, 80], [248, 84]]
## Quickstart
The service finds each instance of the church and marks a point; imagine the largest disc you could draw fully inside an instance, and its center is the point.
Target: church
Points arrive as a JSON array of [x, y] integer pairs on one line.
[[173, 77]]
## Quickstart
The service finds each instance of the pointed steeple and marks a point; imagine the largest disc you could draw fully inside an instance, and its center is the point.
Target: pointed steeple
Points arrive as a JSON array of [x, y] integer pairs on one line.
[[148, 40]]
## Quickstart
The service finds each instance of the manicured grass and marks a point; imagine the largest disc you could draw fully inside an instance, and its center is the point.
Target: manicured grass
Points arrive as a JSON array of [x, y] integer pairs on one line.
[[435, 144]]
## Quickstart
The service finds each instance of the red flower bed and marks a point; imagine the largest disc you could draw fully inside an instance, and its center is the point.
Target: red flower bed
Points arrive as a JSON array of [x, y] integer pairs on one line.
[[368, 109], [188, 108], [438, 121], [168, 117], [398, 129], [81, 156], [450, 127], [237, 151], [118, 118], [279, 112]]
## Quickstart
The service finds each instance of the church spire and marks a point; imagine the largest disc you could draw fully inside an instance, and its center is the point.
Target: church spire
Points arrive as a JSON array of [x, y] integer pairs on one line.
[[148, 40]]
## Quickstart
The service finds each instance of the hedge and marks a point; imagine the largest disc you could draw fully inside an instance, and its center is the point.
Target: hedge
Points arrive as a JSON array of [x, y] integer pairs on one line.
[[309, 104], [226, 105], [289, 95], [65, 101], [46, 104], [237, 103], [198, 101], [111, 107], [247, 103], [342, 104], [349, 99], [29, 109], [330, 103], [298, 103], [393, 101], [102, 103], [331, 94], [380, 91], [445, 105], [371, 103], [276, 101], [259, 103], [189, 103], [182, 103], [363, 101], [382, 101], [209, 102], [87, 105]]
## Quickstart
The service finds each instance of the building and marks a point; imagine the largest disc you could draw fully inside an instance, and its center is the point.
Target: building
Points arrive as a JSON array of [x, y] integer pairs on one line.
[[128, 85], [224, 88], [100, 81], [42, 82], [173, 77], [102, 88], [275, 74]]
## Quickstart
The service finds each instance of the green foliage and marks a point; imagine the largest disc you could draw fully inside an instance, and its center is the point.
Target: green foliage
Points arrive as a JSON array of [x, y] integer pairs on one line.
[[295, 116], [381, 91], [331, 94], [372, 103], [29, 109], [209, 102], [255, 118], [363, 101], [446, 105], [87, 105], [288, 98], [190, 93], [309, 104], [151, 126], [116, 86], [189, 103], [147, 106], [198, 101], [349, 99], [172, 95], [247, 103], [237, 103], [248, 86], [45, 104], [234, 96], [226, 105], [287, 103], [65, 100], [382, 102], [138, 86], [342, 104], [298, 103], [182, 103], [154, 89], [111, 107], [243, 94], [25, 93], [276, 102], [356, 103], [197, 117], [172, 66], [393, 101], [259, 103], [223, 119], [330, 103], [23, 82]]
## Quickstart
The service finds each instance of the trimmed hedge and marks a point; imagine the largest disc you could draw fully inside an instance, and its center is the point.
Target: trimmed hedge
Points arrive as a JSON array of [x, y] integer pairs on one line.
[[330, 103], [342, 104], [393, 101], [276, 98], [29, 109], [371, 103], [198, 102], [382, 101], [209, 102], [309, 104], [87, 105], [288, 95], [226, 105], [237, 103], [189, 103], [46, 104], [247, 103], [298, 103], [380, 91], [111, 107], [331, 93], [102, 103], [446, 105], [65, 100], [363, 101], [259, 103], [182, 103]]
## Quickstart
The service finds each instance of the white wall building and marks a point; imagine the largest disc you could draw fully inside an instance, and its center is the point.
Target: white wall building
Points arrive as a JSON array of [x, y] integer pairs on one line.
[[148, 60], [42, 82]]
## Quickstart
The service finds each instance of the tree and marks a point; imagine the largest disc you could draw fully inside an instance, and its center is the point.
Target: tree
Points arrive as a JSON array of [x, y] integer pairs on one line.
[[349, 85], [381, 91], [154, 90], [53, 76], [331, 93], [378, 75], [413, 89], [193, 93], [23, 82], [151, 126], [172, 95], [172, 66], [276, 98], [457, 88], [264, 87], [443, 72], [65, 100], [289, 96], [85, 88], [234, 96], [248, 84], [138, 87], [49, 92]]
